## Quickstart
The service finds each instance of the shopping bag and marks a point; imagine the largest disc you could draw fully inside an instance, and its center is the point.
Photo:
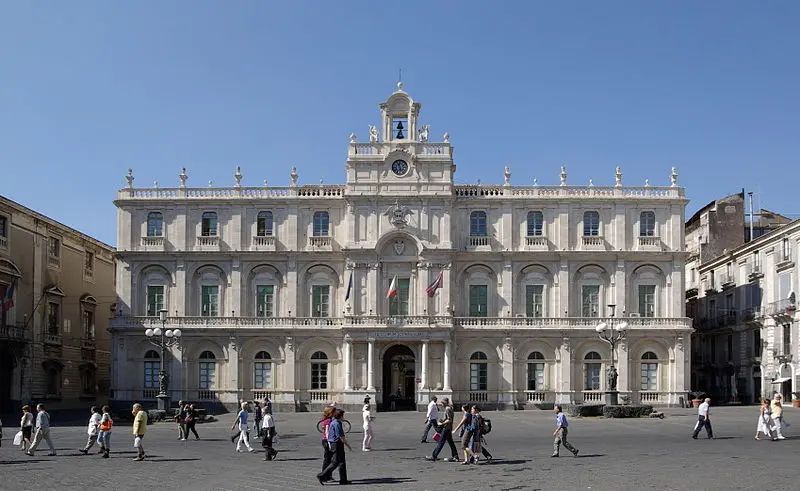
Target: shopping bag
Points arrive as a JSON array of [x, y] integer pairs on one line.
[[276, 440], [437, 436], [18, 438], [137, 442]]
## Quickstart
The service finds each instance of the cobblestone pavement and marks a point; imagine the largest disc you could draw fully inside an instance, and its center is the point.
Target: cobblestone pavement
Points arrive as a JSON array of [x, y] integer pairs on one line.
[[614, 454]]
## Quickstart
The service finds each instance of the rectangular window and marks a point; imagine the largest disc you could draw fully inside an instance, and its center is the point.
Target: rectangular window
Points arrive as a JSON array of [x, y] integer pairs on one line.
[[265, 301], [398, 304], [320, 301], [209, 224], [321, 223], [477, 224], [712, 279], [208, 375], [155, 299], [319, 376], [590, 300], [534, 300], [54, 247], [712, 309], [88, 268], [88, 324], [756, 342], [591, 224], [591, 376], [647, 224], [784, 286], [478, 300], [263, 375], [53, 318], [3, 227], [209, 301], [650, 376], [535, 376], [786, 252], [787, 339], [535, 223], [478, 376], [647, 300], [151, 374]]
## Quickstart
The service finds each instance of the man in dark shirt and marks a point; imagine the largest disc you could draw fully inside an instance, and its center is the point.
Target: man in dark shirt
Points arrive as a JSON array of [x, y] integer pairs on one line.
[[336, 442], [446, 426]]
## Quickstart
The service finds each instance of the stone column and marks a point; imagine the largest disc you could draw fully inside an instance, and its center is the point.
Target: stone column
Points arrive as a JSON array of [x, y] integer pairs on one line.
[[371, 364], [447, 365], [624, 379], [235, 301], [347, 352], [289, 385], [564, 392], [179, 303], [424, 376], [234, 390], [507, 374], [372, 290]]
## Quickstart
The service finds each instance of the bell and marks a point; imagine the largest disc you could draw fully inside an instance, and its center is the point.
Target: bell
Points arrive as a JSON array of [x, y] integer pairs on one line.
[[400, 127]]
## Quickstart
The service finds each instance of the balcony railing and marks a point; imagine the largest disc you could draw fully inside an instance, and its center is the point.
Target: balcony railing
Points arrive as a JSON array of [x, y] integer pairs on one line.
[[260, 395], [208, 242], [264, 243], [153, 243], [592, 242], [373, 149], [592, 396], [535, 396], [88, 344], [149, 393], [326, 191], [3, 242], [477, 241], [561, 192], [320, 242], [53, 261], [649, 243], [52, 339], [16, 333], [207, 395], [318, 396], [781, 307], [536, 242], [727, 280], [652, 397]]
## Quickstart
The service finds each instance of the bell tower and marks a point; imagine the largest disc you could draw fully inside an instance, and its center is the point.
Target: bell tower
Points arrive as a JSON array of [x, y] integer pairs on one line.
[[399, 116]]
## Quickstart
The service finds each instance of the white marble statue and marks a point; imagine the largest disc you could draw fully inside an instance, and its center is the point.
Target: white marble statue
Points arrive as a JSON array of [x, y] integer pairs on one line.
[[373, 134]]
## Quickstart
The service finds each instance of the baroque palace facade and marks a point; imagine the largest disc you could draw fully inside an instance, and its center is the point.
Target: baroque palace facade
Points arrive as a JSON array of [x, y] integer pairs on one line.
[[282, 291]]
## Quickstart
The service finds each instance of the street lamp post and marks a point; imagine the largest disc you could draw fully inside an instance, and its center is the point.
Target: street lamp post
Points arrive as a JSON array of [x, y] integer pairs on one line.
[[163, 338], [612, 332]]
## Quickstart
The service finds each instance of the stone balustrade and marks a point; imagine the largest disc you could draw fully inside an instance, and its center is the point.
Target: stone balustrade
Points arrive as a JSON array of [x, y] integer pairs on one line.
[[649, 243], [560, 192], [326, 191], [536, 243], [322, 242], [263, 243], [155, 243]]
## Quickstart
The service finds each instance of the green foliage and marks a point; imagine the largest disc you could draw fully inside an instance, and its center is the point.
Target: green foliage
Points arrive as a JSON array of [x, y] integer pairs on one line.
[[627, 411], [583, 410]]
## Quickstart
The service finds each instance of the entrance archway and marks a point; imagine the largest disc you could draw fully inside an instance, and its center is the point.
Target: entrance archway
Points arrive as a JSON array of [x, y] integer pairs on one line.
[[399, 379]]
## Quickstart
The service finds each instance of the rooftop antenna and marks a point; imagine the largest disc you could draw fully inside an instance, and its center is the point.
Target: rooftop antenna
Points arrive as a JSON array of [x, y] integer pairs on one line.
[[399, 79]]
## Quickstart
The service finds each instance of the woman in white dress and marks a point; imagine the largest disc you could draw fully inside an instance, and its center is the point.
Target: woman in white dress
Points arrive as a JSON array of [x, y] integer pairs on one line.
[[764, 420], [368, 418]]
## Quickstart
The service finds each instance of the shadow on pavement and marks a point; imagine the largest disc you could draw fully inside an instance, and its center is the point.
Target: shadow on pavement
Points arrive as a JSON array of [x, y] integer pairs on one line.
[[509, 462], [157, 459], [590, 455], [391, 449], [12, 462], [301, 459], [382, 480], [727, 438]]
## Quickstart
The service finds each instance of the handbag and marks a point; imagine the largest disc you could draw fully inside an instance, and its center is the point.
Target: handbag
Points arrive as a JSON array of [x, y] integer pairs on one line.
[[437, 436], [18, 438]]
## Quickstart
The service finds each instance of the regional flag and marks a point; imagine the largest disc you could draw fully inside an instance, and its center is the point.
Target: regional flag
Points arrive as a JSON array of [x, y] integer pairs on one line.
[[437, 283], [392, 288], [349, 287], [8, 301]]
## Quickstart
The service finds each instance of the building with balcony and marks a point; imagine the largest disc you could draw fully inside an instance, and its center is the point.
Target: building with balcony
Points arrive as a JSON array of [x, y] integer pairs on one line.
[[743, 303], [497, 289], [56, 292]]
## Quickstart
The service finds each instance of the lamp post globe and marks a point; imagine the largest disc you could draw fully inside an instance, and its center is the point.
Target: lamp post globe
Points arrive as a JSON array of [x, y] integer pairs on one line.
[[148, 333]]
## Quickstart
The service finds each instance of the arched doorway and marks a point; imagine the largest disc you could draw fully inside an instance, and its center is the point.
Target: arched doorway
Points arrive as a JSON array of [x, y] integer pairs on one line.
[[7, 366], [399, 379]]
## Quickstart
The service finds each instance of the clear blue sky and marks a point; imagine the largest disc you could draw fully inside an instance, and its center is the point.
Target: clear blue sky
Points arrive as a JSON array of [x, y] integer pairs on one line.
[[91, 88]]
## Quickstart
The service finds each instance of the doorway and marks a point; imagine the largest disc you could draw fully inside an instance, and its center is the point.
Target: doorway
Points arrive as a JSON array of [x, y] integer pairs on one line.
[[7, 365], [399, 379]]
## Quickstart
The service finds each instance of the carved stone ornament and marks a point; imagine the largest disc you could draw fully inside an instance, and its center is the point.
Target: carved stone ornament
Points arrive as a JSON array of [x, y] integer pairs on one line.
[[399, 246], [397, 215]]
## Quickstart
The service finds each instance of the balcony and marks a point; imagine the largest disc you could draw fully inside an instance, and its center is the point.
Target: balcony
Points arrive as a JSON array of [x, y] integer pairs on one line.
[[88, 344], [12, 333], [755, 272], [653, 398], [785, 308], [321, 243], [54, 339], [365, 321], [208, 242], [478, 242], [155, 243], [535, 396], [536, 243], [593, 243], [53, 261], [785, 261], [727, 281], [592, 396], [263, 243], [649, 243], [558, 323]]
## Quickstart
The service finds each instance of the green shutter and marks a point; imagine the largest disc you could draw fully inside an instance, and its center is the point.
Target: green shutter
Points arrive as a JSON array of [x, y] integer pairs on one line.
[[265, 300], [533, 300], [399, 304], [478, 295]]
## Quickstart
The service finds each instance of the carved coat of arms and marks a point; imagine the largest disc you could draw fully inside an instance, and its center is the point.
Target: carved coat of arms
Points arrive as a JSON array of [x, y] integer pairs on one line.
[[397, 215], [399, 246]]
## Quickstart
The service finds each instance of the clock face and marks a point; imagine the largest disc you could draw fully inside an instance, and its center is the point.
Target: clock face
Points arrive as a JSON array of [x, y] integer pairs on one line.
[[399, 167]]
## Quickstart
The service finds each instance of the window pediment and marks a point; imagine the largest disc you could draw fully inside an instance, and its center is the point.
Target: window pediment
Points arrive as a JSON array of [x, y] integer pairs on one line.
[[55, 291]]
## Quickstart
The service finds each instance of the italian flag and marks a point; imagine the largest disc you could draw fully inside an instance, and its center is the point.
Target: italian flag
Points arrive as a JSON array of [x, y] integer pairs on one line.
[[392, 288]]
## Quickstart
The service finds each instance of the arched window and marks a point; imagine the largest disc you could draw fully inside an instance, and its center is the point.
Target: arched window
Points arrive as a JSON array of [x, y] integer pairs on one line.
[[262, 371], [319, 371], [208, 371], [591, 371], [535, 223], [591, 224], [264, 224], [647, 224], [321, 223], [478, 371], [209, 224], [155, 224], [151, 367], [649, 371], [477, 224], [535, 371]]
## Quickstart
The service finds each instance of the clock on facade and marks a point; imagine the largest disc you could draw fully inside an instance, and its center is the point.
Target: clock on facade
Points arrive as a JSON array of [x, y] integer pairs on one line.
[[399, 167]]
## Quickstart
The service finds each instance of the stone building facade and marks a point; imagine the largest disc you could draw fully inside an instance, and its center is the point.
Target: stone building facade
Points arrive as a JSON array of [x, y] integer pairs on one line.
[[283, 290], [57, 289]]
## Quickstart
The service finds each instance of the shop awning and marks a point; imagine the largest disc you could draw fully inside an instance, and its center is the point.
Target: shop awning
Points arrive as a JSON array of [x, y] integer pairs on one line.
[[781, 380]]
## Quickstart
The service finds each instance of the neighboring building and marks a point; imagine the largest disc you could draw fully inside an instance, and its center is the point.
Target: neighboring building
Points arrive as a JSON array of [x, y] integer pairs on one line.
[[283, 290], [740, 295], [54, 344]]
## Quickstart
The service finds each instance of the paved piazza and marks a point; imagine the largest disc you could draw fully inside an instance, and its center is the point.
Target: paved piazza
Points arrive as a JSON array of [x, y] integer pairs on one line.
[[614, 454]]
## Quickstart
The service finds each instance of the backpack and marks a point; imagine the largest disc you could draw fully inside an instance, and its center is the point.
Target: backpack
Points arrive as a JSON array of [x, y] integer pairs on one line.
[[487, 426]]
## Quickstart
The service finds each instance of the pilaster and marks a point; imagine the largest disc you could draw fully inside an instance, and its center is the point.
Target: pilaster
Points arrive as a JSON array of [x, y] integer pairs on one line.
[[423, 384], [507, 382], [564, 392]]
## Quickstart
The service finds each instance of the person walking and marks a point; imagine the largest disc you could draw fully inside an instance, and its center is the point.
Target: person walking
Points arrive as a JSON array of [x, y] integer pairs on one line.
[[431, 417], [764, 421], [257, 418], [327, 453], [777, 418], [104, 433], [26, 426], [180, 420], [560, 433], [191, 421], [446, 433], [139, 429], [93, 428], [42, 431], [472, 437], [368, 418], [241, 421], [337, 443], [267, 405], [703, 420], [270, 433]]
